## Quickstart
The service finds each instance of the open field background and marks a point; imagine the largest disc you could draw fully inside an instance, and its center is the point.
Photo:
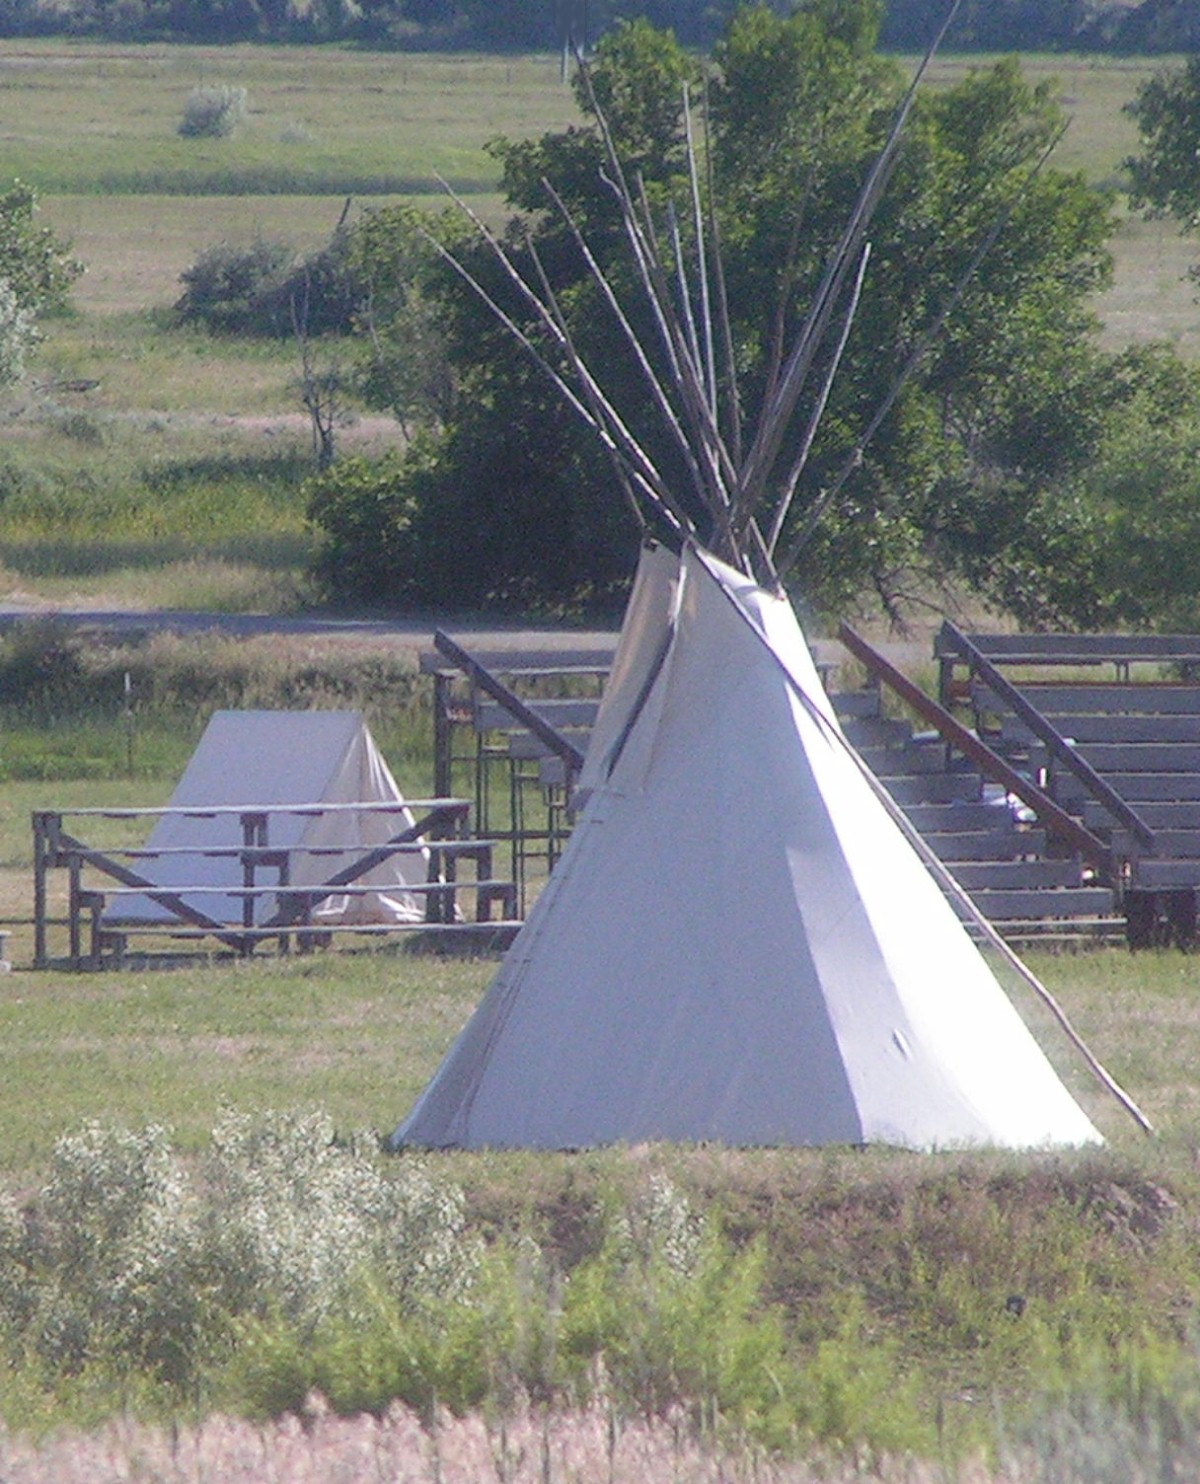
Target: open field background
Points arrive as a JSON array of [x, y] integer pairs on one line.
[[155, 465]]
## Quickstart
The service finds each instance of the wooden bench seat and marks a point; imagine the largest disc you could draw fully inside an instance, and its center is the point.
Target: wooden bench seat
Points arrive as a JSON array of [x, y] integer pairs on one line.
[[563, 715], [1058, 902], [1016, 875], [1077, 649], [1136, 699], [985, 845]]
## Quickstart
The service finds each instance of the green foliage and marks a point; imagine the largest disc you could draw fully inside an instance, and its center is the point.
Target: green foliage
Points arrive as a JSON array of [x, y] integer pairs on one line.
[[128, 1254], [34, 262], [667, 1320], [983, 25], [40, 663], [1143, 499], [405, 369], [17, 335], [236, 289], [263, 288], [1166, 175], [365, 512], [36, 273], [671, 1315], [997, 417], [213, 112]]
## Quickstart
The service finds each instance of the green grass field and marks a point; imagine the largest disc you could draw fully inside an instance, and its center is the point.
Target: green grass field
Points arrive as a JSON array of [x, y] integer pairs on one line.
[[121, 406], [361, 1032], [321, 121]]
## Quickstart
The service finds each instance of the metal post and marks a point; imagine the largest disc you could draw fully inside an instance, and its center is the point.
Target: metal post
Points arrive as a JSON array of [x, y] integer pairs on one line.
[[41, 849]]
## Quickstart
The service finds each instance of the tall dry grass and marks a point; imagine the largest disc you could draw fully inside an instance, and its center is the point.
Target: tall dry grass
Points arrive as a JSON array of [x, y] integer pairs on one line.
[[593, 1446]]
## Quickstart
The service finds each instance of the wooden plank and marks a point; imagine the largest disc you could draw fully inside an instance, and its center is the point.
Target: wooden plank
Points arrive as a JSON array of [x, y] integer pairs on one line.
[[1140, 788], [985, 845], [1076, 649], [361, 929], [1079, 700], [1121, 728], [562, 714], [1116, 758], [530, 661], [856, 703], [954, 816], [1108, 700], [1034, 875], [1165, 875], [313, 893], [1171, 815], [904, 761], [997, 906], [875, 731], [934, 788], [1171, 844], [366, 806]]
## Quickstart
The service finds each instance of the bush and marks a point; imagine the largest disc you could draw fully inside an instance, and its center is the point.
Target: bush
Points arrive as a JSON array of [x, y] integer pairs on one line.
[[229, 288], [263, 288], [212, 113], [367, 514], [41, 663], [127, 1259]]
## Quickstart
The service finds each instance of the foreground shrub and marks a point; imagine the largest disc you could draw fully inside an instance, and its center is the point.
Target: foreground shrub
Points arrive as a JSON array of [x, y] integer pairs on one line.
[[667, 1321], [126, 1258], [868, 1316], [212, 112]]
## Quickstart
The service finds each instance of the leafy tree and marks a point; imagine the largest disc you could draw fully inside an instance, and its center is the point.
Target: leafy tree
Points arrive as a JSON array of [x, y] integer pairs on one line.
[[982, 468], [405, 369], [1166, 175], [35, 263], [799, 105], [36, 273], [1142, 495]]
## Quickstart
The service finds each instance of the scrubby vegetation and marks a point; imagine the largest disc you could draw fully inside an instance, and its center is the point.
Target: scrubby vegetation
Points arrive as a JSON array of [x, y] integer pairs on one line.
[[856, 1306], [213, 112], [265, 288]]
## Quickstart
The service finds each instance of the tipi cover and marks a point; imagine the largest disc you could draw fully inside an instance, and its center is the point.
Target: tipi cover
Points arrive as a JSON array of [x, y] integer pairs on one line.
[[248, 758], [738, 944]]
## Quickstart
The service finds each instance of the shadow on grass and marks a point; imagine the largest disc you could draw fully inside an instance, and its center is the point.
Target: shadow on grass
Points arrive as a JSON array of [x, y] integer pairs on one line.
[[286, 469], [284, 552], [267, 180]]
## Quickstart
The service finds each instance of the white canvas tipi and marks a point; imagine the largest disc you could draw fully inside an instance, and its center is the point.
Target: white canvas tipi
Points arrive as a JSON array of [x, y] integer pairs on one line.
[[738, 944], [282, 758]]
